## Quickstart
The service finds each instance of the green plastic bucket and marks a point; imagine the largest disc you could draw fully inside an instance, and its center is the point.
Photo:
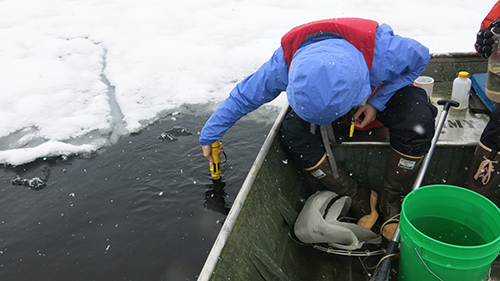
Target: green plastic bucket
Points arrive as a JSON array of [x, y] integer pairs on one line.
[[448, 233]]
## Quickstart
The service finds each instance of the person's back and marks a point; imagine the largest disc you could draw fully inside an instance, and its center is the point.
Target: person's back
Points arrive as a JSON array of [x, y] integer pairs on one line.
[[330, 75]]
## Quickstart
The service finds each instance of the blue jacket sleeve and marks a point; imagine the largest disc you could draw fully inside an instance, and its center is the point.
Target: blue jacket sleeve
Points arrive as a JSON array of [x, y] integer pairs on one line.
[[257, 89], [397, 62]]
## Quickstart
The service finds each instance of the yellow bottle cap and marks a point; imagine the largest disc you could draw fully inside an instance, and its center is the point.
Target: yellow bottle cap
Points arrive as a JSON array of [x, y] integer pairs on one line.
[[463, 74]]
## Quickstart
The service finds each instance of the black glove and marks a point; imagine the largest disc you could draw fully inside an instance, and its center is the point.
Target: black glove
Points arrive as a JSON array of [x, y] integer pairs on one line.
[[484, 41]]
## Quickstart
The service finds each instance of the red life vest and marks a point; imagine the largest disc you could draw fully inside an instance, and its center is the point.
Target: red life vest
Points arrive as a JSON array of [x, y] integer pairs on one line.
[[359, 32], [492, 15]]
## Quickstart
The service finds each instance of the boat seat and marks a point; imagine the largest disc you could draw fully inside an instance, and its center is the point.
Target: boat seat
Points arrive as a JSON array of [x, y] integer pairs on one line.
[[462, 127]]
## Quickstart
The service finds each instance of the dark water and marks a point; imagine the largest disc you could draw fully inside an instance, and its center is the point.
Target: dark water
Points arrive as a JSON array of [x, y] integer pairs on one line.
[[142, 209], [448, 231]]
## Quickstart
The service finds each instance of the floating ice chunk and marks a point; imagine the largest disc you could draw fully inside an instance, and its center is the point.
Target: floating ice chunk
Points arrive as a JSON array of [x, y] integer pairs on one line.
[[35, 183], [167, 136], [179, 131]]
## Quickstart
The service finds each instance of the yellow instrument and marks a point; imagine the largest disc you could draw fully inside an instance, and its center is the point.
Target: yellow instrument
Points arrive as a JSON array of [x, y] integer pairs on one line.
[[215, 167], [351, 131]]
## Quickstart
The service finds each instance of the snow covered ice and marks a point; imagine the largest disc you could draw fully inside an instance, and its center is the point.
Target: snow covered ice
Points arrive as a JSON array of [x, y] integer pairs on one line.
[[77, 75]]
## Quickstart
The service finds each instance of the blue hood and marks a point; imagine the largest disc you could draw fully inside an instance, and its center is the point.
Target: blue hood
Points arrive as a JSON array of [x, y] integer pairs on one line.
[[326, 80]]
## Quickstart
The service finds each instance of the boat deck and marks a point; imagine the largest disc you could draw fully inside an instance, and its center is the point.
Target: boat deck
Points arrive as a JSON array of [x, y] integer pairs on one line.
[[462, 127]]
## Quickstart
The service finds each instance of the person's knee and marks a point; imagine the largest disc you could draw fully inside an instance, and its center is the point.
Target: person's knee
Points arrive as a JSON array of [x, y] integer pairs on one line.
[[412, 121], [491, 133]]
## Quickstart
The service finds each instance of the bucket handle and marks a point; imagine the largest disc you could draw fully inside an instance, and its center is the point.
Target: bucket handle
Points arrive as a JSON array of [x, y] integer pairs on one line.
[[422, 260], [382, 272]]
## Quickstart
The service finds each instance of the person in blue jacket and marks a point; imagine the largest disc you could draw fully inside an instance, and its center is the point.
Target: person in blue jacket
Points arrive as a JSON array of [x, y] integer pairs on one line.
[[334, 68]]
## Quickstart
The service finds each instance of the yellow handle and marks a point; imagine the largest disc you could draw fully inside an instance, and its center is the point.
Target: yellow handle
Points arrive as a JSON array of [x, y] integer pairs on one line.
[[215, 168], [351, 131]]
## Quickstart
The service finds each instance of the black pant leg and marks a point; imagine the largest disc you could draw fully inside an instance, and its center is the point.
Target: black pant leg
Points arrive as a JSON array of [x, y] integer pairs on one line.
[[410, 117], [300, 144], [491, 133]]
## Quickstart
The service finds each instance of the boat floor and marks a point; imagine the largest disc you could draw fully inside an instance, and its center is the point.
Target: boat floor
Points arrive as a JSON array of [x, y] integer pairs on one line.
[[331, 267], [463, 128]]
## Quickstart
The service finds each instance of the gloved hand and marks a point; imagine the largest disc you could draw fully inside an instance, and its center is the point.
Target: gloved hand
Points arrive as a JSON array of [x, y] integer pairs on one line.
[[484, 41]]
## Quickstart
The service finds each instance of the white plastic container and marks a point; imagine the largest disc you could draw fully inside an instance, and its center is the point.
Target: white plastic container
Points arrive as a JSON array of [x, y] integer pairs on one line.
[[426, 83], [461, 89]]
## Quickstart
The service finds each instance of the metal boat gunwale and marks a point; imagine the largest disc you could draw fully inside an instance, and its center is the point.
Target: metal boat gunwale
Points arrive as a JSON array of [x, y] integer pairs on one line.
[[240, 199]]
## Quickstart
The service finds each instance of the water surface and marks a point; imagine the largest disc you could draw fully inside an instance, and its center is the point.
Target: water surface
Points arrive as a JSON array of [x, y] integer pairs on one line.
[[142, 209]]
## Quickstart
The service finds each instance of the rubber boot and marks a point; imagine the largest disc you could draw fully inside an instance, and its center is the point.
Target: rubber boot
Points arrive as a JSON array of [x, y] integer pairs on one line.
[[484, 170], [399, 171], [363, 202]]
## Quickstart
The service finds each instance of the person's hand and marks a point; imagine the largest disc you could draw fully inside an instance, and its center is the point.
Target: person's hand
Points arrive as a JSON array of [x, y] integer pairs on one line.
[[484, 39], [365, 115], [207, 152]]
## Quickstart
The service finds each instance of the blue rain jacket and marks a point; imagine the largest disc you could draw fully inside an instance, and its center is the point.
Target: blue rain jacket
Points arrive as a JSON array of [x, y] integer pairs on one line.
[[326, 80], [397, 62]]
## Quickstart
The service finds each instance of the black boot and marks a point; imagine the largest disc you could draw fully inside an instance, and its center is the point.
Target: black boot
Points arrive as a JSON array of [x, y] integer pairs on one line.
[[399, 171], [484, 171], [363, 205]]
